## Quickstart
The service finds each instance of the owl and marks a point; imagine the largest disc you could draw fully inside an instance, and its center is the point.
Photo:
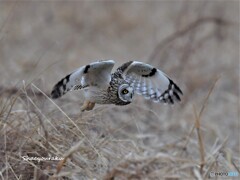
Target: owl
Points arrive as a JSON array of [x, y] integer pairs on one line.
[[100, 86]]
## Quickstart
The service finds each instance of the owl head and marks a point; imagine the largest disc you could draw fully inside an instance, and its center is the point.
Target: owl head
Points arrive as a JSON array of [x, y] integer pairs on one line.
[[125, 92]]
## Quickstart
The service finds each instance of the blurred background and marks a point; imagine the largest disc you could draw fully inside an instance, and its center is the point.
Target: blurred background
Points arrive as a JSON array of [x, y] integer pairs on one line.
[[194, 42]]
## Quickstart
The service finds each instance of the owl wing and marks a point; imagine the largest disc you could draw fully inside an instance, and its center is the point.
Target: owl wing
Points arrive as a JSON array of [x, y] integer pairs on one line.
[[94, 74], [150, 82]]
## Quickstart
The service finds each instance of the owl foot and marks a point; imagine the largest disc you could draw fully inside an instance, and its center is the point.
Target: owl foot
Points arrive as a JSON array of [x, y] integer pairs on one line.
[[87, 105]]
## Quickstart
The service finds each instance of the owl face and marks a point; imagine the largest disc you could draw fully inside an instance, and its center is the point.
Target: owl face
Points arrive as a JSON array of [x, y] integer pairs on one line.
[[125, 92]]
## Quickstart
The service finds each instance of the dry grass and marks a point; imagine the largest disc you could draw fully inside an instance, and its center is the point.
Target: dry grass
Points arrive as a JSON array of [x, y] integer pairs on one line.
[[140, 141], [88, 148]]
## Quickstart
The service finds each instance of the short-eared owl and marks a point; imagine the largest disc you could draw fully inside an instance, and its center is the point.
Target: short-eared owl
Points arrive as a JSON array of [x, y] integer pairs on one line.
[[102, 87]]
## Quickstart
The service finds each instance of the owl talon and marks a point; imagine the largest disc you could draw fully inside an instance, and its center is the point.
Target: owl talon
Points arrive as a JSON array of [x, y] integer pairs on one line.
[[87, 105]]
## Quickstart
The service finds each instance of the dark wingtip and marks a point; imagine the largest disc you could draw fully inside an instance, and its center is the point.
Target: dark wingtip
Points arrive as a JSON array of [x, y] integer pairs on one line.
[[175, 96], [178, 89], [55, 93], [60, 88]]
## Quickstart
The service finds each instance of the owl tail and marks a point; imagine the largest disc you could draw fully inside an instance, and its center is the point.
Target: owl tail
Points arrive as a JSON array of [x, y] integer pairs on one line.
[[61, 88]]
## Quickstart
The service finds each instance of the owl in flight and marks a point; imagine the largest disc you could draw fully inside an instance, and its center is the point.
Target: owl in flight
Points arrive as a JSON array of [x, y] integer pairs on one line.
[[103, 87]]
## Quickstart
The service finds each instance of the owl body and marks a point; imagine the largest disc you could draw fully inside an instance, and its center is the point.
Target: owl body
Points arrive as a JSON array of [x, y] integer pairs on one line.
[[107, 94], [103, 87]]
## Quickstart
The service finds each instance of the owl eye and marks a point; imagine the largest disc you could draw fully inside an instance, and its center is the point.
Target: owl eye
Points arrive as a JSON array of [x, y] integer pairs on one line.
[[125, 91]]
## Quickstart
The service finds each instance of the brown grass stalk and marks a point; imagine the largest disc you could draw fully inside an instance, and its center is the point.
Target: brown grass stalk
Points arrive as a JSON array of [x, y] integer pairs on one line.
[[200, 139], [200, 114]]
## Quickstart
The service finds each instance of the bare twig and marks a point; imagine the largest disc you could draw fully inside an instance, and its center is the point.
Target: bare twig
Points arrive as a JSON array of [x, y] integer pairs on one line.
[[190, 27]]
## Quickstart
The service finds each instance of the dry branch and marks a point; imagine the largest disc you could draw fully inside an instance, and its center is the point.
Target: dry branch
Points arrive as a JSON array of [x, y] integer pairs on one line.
[[216, 20]]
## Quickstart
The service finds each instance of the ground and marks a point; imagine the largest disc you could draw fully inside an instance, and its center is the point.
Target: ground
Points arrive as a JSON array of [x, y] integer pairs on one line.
[[195, 42]]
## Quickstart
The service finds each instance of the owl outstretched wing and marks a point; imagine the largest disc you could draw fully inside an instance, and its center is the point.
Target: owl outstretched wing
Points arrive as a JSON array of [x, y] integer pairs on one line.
[[94, 74], [150, 82]]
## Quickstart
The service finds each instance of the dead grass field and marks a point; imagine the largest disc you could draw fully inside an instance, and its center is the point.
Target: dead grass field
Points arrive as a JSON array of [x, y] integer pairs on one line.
[[195, 42]]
